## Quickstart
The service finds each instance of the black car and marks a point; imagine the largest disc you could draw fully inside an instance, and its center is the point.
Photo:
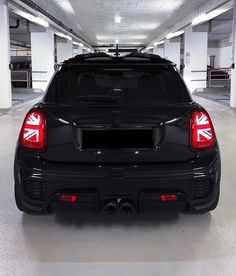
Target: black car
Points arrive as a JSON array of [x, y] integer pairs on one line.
[[117, 134]]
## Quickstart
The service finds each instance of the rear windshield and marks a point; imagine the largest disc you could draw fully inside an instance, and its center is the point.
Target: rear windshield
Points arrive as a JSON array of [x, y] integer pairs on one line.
[[129, 85]]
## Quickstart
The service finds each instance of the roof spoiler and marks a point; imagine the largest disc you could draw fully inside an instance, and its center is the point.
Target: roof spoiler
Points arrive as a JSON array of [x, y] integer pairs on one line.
[[91, 58]]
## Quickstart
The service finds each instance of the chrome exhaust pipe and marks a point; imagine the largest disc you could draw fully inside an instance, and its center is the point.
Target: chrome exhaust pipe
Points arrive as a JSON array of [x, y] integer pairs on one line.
[[110, 208], [127, 208]]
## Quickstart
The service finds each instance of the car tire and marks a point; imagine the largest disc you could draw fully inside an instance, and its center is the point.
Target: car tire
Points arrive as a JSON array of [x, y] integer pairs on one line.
[[23, 208]]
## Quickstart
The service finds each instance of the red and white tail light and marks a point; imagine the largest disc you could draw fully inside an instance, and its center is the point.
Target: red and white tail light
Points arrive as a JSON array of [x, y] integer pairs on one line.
[[202, 131], [33, 130]]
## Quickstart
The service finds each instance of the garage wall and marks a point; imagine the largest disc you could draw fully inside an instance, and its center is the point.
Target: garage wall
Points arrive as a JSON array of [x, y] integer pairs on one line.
[[222, 50], [42, 66], [159, 50], [195, 58], [225, 52], [225, 56], [172, 52]]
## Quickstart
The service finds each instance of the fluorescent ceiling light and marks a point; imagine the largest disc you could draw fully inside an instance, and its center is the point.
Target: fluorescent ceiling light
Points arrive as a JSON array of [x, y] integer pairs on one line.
[[27, 16], [41, 22], [81, 45], [208, 16], [75, 43], [65, 5], [147, 26], [171, 35], [117, 19], [158, 43], [161, 42], [33, 18], [63, 35], [199, 19]]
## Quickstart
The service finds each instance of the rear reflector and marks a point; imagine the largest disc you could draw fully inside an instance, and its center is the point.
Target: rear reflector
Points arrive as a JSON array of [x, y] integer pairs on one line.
[[202, 131], [67, 198], [33, 130], [168, 197]]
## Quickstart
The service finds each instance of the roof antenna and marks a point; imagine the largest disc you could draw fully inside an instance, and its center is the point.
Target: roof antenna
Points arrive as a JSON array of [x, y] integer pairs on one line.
[[117, 50]]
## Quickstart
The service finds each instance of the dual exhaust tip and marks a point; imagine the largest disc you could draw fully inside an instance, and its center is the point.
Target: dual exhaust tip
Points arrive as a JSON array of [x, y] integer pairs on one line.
[[112, 207]]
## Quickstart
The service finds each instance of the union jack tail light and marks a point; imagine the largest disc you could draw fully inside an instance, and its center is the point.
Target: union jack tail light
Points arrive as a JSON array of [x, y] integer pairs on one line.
[[202, 131], [33, 130]]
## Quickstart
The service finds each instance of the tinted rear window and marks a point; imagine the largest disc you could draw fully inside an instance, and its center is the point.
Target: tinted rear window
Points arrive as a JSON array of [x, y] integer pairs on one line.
[[133, 85]]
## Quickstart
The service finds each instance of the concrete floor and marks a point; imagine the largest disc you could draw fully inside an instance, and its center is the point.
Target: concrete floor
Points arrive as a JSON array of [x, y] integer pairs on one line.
[[21, 95], [217, 94], [165, 244]]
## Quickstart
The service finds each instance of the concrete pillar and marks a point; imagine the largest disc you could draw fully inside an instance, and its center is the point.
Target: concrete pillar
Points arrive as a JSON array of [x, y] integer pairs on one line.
[[159, 50], [77, 50], [5, 74], [233, 71], [42, 52], [64, 50], [172, 50], [195, 58]]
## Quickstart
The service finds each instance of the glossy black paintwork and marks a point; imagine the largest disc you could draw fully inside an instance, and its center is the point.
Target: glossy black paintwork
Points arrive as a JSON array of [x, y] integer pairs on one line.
[[171, 124], [65, 165]]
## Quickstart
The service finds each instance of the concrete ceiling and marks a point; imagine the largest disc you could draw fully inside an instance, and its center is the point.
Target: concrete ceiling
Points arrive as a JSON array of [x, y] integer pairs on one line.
[[21, 34], [221, 26], [141, 20]]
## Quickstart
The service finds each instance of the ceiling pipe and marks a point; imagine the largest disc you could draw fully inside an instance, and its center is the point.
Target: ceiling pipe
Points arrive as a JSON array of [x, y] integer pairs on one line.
[[17, 25]]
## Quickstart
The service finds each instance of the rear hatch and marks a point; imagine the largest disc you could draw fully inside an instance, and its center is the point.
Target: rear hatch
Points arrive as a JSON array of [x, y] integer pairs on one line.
[[117, 112], [120, 135]]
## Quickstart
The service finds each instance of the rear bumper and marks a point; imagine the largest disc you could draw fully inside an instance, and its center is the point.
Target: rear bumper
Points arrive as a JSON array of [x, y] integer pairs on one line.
[[39, 183]]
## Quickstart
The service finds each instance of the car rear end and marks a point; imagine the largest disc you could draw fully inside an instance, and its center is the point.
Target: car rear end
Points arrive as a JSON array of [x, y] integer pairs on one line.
[[117, 135]]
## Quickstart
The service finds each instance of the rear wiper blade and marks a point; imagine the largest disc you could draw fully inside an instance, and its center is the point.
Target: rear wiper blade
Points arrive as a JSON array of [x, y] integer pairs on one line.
[[99, 98]]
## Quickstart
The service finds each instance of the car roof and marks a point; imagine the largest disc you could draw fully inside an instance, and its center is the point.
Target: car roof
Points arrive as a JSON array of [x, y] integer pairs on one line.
[[101, 58]]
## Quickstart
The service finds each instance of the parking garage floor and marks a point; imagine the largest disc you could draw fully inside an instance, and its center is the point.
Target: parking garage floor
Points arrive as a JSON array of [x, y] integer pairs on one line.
[[217, 94], [21, 95], [160, 244]]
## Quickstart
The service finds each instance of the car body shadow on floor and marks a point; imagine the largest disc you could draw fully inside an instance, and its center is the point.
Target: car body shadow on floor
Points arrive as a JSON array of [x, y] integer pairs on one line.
[[71, 237]]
